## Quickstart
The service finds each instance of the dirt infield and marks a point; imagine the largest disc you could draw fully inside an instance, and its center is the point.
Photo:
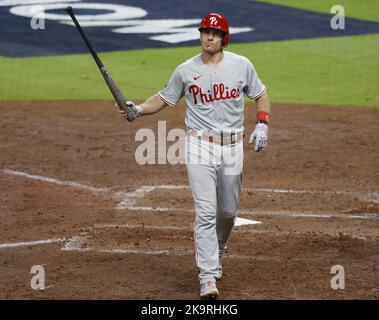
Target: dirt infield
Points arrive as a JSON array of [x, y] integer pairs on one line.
[[113, 229]]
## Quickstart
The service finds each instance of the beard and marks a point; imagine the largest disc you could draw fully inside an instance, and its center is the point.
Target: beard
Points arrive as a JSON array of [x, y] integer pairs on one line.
[[212, 49]]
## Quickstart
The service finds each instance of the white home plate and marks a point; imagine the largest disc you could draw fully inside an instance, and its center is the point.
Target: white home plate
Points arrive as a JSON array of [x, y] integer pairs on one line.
[[242, 221]]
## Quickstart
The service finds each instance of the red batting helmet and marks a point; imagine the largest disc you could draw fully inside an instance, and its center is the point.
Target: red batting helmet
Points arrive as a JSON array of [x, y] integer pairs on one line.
[[218, 22]]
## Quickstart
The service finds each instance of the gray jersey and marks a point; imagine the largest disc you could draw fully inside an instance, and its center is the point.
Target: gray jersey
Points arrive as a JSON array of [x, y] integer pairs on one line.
[[214, 98]]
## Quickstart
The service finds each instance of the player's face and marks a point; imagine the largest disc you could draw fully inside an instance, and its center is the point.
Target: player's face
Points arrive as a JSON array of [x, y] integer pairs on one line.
[[211, 40]]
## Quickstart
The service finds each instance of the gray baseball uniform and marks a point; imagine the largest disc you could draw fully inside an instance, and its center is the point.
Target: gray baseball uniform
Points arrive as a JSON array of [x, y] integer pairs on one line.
[[215, 104]]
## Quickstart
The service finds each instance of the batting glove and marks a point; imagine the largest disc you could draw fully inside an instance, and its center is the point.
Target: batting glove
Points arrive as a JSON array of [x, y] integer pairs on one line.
[[136, 111], [260, 135]]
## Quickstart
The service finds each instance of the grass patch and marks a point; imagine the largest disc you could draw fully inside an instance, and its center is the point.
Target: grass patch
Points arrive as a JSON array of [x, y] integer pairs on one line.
[[340, 70]]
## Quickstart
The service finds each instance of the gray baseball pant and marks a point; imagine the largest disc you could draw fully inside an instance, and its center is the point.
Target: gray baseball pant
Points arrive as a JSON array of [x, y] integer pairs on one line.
[[216, 192]]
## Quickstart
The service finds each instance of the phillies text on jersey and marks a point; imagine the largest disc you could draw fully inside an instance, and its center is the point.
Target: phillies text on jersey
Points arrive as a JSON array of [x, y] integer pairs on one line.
[[214, 97]]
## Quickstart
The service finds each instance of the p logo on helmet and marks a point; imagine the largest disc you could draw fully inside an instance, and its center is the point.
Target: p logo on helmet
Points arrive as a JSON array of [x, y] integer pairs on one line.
[[213, 21], [218, 22]]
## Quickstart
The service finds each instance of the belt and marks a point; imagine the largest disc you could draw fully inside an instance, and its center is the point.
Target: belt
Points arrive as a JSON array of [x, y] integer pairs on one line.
[[225, 138]]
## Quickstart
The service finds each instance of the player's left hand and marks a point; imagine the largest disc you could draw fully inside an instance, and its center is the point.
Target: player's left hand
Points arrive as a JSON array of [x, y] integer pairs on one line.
[[260, 135]]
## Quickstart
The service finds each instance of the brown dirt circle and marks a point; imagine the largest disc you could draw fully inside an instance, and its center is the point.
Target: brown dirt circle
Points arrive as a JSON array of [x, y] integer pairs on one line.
[[315, 190]]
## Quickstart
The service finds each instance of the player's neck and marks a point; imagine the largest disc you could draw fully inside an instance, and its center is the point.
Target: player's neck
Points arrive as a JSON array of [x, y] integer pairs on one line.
[[212, 59]]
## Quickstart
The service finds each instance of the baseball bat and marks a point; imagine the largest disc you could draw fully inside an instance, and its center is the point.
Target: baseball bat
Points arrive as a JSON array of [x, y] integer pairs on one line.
[[116, 92]]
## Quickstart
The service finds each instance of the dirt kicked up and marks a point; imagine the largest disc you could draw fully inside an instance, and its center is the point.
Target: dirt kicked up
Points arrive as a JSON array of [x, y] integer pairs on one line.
[[74, 200]]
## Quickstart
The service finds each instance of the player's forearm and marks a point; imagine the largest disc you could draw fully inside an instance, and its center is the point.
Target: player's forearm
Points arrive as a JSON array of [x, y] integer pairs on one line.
[[152, 105], [263, 108], [263, 103]]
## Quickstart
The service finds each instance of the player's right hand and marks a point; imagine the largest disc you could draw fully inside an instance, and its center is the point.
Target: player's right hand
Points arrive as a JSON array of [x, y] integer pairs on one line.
[[135, 111]]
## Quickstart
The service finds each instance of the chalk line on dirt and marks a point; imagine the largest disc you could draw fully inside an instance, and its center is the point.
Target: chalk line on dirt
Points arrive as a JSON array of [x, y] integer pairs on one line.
[[77, 244], [30, 243], [128, 201], [190, 227], [78, 185]]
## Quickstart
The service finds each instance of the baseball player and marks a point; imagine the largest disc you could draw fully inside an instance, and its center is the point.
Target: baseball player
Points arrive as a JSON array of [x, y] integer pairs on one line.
[[214, 84]]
